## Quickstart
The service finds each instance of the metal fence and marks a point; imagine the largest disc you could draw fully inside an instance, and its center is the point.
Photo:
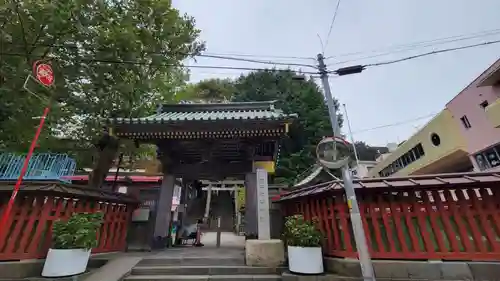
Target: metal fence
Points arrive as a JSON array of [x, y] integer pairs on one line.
[[42, 166]]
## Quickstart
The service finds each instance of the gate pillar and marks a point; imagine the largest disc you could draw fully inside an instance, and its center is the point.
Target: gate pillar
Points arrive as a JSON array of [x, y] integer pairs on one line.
[[164, 211]]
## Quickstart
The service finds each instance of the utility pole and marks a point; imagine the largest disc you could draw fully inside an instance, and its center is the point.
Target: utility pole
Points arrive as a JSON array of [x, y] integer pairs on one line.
[[352, 202]]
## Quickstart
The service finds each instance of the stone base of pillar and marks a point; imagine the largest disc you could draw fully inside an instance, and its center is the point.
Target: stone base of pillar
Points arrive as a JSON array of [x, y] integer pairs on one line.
[[269, 253]]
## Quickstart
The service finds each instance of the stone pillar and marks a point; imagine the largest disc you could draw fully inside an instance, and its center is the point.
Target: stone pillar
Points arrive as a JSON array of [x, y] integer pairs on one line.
[[263, 251], [263, 221], [250, 203], [164, 210]]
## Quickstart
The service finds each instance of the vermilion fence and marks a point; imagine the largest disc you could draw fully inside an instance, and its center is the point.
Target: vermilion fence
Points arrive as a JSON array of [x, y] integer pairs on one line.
[[421, 223], [28, 233]]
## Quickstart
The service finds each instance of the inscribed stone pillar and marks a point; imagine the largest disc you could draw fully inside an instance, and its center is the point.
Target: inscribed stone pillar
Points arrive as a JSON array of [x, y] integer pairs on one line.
[[251, 203], [262, 196], [164, 207]]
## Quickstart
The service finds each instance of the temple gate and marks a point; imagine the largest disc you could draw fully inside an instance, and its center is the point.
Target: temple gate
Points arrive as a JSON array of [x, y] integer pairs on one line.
[[211, 142]]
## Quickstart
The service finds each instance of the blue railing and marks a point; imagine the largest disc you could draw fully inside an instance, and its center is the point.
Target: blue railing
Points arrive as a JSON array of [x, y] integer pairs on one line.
[[42, 166]]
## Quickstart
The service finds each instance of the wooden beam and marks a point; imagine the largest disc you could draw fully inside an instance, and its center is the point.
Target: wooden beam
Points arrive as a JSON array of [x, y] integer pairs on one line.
[[217, 170]]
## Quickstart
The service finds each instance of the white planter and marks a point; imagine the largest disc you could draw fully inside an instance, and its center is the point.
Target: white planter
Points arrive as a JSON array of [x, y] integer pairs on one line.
[[65, 262], [305, 260]]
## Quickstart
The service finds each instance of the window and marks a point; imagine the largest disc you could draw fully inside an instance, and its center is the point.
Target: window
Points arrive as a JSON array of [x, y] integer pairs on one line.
[[484, 104], [419, 150], [465, 122], [488, 158], [492, 157], [435, 139], [406, 159]]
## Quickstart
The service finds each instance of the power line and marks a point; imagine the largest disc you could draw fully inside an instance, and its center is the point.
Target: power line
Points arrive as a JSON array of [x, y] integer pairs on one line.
[[433, 53], [338, 71], [394, 124], [257, 61], [416, 45], [359, 68], [187, 54], [258, 56], [216, 73], [331, 25], [155, 64]]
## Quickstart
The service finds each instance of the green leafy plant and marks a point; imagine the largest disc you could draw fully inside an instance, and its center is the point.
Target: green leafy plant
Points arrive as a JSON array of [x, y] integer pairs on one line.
[[78, 232], [301, 233]]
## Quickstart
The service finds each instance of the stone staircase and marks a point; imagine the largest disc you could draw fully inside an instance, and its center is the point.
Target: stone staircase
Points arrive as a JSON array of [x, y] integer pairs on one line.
[[194, 268]]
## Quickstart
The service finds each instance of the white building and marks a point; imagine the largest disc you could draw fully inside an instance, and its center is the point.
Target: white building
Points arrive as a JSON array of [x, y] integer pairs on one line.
[[362, 168]]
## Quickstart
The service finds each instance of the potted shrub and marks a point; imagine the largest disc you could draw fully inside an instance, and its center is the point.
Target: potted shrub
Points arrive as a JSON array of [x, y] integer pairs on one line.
[[303, 242], [73, 239]]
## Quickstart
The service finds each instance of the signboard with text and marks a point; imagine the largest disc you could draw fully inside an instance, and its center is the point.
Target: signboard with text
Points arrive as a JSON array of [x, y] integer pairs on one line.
[[263, 223]]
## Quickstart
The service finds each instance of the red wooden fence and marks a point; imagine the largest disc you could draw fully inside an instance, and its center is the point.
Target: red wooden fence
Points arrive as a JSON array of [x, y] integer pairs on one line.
[[28, 232], [451, 223]]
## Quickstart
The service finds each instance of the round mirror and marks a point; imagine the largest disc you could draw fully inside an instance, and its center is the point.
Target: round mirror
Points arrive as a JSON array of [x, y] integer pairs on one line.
[[334, 152]]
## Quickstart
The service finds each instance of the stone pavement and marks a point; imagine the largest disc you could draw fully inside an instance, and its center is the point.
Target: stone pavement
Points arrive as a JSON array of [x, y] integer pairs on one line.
[[228, 240], [115, 269], [232, 248]]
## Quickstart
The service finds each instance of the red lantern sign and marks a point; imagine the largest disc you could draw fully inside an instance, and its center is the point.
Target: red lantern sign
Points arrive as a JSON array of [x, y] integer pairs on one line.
[[44, 74]]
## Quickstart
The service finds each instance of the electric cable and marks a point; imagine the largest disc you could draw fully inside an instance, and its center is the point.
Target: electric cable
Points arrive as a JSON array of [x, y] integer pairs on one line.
[[189, 55], [417, 45], [394, 124], [331, 25], [257, 61], [155, 64], [432, 53], [259, 56], [361, 67]]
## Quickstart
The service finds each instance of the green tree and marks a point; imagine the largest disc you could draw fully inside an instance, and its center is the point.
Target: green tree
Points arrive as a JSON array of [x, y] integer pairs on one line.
[[111, 58], [210, 90], [369, 153], [294, 94]]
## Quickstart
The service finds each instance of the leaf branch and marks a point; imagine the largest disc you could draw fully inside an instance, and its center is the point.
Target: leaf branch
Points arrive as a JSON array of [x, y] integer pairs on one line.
[[23, 32]]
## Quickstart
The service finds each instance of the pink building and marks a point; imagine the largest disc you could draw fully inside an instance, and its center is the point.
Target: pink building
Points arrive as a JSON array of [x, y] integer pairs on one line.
[[477, 110]]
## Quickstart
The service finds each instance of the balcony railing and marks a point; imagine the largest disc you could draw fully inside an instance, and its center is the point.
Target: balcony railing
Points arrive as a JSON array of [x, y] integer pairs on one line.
[[42, 166]]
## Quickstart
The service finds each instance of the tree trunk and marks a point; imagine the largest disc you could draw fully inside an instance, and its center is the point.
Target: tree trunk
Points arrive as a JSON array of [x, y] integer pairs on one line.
[[108, 148]]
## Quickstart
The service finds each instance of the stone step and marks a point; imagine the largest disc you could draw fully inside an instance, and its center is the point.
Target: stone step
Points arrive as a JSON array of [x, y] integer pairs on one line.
[[192, 261], [205, 270], [203, 277]]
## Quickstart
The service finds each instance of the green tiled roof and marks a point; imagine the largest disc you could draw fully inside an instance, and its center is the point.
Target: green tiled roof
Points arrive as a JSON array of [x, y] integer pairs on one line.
[[211, 112]]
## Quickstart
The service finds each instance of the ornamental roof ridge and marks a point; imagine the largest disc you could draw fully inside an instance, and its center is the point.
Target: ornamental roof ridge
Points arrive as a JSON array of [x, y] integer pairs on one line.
[[204, 107]]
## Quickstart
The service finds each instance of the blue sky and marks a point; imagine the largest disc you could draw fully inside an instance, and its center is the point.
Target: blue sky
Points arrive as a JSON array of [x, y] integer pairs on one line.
[[272, 29]]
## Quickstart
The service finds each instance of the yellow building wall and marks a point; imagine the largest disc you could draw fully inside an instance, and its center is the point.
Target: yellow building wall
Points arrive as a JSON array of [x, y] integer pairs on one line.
[[451, 141], [493, 113]]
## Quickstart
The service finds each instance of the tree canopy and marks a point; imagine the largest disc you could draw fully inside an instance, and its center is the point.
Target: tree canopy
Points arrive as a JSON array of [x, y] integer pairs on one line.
[[369, 153], [209, 90], [294, 94], [110, 58]]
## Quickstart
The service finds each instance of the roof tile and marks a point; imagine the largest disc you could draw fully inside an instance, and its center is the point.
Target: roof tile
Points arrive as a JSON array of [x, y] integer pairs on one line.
[[398, 182], [211, 112]]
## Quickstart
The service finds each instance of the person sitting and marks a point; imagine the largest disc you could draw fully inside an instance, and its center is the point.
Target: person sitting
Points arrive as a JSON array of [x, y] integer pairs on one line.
[[190, 233]]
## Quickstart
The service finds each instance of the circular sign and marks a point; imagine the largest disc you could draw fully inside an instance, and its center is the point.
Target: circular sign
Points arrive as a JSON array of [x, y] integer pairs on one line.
[[44, 74]]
